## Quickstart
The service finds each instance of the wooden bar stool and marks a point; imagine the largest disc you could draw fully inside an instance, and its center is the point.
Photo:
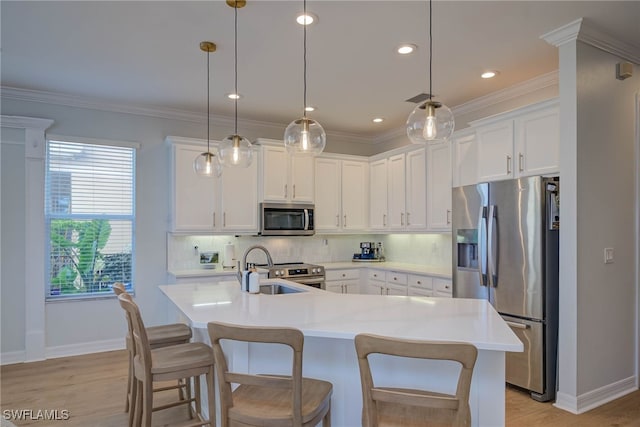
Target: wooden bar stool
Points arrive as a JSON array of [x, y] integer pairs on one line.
[[268, 400], [388, 406], [181, 361], [159, 336]]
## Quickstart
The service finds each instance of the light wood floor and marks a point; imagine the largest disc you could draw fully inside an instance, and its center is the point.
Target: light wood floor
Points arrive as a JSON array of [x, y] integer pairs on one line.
[[92, 389]]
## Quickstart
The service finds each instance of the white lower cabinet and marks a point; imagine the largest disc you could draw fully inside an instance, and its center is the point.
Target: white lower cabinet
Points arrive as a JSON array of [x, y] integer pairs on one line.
[[387, 283], [442, 287], [345, 281]]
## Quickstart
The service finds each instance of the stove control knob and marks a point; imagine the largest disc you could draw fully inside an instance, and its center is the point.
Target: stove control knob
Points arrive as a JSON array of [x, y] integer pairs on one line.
[[277, 273], [281, 272], [314, 270]]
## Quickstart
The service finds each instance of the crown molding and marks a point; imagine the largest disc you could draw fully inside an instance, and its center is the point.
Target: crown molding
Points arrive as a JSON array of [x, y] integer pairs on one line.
[[25, 122], [157, 112], [521, 89], [586, 32]]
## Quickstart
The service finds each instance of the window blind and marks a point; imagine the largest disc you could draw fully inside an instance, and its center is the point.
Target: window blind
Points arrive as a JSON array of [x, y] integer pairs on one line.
[[89, 214]]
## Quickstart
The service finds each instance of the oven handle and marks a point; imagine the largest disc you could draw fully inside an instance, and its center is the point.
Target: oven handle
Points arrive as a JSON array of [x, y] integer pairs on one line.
[[305, 281]]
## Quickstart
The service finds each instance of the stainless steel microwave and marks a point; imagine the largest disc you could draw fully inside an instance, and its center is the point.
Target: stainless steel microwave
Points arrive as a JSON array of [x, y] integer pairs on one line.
[[286, 219]]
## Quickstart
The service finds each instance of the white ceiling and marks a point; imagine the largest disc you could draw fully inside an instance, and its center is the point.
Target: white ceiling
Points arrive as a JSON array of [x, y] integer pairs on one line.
[[146, 53]]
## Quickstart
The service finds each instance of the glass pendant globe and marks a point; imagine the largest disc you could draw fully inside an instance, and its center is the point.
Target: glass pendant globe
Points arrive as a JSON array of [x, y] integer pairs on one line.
[[235, 151], [207, 165], [304, 137], [431, 122]]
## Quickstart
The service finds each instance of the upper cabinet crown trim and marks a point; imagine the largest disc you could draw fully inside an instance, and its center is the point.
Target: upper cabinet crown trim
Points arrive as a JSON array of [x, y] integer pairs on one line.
[[514, 113]]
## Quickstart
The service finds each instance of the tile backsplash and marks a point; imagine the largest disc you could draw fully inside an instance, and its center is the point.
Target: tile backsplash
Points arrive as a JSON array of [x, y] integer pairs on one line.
[[183, 252]]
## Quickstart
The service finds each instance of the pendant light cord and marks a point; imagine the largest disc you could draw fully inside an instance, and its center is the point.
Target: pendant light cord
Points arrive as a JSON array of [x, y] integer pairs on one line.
[[208, 126], [304, 58], [430, 49], [236, 68]]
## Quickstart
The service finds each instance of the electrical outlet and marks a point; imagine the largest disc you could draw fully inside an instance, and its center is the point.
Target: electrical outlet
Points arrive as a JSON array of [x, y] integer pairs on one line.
[[608, 255]]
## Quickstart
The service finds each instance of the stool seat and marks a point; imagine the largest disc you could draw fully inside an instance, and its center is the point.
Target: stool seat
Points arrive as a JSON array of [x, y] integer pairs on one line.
[[163, 335]]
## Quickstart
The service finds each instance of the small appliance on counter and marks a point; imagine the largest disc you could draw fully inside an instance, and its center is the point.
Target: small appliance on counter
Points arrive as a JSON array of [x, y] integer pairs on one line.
[[229, 259], [369, 252], [209, 259]]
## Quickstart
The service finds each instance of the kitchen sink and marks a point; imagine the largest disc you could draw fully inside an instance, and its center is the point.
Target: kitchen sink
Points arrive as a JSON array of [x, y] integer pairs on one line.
[[278, 289]]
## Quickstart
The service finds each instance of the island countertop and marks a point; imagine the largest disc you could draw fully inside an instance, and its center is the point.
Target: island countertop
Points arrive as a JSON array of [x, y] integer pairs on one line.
[[328, 315]]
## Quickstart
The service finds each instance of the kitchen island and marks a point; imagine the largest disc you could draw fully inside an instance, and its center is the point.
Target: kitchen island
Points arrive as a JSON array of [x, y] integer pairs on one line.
[[331, 321]]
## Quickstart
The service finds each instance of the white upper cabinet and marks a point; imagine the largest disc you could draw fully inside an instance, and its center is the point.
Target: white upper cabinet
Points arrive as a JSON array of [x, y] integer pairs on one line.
[[465, 163], [285, 178], [193, 197], [415, 190], [524, 142], [439, 186], [396, 194], [210, 205], [378, 194], [341, 193]]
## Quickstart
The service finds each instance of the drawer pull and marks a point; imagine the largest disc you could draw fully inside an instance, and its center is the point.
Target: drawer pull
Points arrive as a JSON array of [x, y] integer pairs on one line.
[[419, 282]]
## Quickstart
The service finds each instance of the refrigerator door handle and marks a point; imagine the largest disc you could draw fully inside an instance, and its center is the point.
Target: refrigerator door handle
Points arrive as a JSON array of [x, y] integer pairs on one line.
[[491, 267], [482, 239], [516, 325]]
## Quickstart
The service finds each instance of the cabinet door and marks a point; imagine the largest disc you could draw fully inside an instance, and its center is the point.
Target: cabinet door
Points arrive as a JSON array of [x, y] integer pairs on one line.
[[240, 199], [495, 151], [274, 174], [335, 287], [465, 160], [351, 286], [194, 197], [302, 179], [355, 192], [439, 187], [537, 143], [378, 194], [396, 290], [327, 194], [416, 190], [396, 196]]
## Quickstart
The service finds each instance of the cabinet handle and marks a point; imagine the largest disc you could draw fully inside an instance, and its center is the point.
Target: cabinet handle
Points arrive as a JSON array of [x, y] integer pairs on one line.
[[448, 216], [384, 220], [508, 164], [520, 162], [401, 218], [387, 291], [345, 220], [344, 275], [285, 191], [337, 220], [408, 219], [294, 191], [224, 219], [419, 282], [446, 286], [214, 220], [381, 290]]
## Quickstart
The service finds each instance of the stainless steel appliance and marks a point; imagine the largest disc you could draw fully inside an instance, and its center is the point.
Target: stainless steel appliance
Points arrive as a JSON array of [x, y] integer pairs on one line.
[[505, 249], [370, 252], [299, 272], [286, 219]]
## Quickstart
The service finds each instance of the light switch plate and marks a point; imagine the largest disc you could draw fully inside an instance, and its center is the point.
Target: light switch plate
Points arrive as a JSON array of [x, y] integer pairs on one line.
[[608, 255]]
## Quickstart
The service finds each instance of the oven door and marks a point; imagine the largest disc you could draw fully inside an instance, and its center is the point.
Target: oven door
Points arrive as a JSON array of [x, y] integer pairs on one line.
[[282, 219], [315, 282]]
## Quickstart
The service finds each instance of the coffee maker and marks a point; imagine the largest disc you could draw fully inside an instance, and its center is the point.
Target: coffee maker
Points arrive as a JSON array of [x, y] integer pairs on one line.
[[370, 251]]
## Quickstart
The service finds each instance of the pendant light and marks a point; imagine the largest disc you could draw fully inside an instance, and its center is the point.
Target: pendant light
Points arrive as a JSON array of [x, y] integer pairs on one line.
[[235, 150], [304, 136], [207, 164], [431, 121]]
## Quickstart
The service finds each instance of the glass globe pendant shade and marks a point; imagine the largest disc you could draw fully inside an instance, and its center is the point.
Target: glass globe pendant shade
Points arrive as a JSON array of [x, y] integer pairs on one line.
[[235, 151], [431, 122], [207, 165], [304, 137]]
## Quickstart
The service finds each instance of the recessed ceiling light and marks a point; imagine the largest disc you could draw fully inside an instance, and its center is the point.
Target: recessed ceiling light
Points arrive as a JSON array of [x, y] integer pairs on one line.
[[307, 19], [489, 74], [405, 49], [309, 108], [234, 96], [378, 120]]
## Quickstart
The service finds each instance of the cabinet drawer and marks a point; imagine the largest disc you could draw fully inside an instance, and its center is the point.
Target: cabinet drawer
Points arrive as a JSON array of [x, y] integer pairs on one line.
[[423, 282], [377, 275], [342, 274], [442, 285], [397, 278], [419, 292]]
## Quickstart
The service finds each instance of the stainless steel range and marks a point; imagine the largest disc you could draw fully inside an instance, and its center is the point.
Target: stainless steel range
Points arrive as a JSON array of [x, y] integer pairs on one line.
[[299, 272]]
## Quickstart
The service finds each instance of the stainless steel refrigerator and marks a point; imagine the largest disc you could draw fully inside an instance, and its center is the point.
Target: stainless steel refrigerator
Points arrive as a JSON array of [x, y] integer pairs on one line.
[[505, 249]]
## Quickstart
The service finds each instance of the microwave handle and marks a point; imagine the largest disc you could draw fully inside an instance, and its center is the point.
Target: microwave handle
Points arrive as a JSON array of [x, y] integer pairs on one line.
[[306, 219]]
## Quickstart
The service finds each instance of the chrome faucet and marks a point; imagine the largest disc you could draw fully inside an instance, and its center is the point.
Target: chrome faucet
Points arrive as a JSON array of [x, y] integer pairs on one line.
[[243, 266]]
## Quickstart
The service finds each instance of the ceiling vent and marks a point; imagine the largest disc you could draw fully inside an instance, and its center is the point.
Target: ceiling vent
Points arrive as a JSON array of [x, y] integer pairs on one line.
[[421, 97]]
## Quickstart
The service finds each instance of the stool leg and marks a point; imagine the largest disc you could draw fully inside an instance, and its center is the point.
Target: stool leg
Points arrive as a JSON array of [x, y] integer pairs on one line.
[[130, 382], [134, 406], [137, 419], [187, 383], [198, 396], [147, 402], [211, 397], [326, 421]]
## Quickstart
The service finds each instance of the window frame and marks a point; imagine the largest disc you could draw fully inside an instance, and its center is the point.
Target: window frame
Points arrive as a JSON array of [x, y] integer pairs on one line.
[[49, 216]]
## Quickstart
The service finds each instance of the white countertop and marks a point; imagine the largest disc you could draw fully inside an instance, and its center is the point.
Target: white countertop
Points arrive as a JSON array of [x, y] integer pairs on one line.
[[329, 315], [390, 266]]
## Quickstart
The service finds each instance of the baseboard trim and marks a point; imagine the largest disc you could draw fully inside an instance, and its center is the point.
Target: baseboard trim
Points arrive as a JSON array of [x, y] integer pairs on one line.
[[84, 348], [592, 399], [11, 357]]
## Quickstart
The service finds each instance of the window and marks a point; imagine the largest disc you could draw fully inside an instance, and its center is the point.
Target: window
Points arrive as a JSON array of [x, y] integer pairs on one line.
[[89, 215]]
